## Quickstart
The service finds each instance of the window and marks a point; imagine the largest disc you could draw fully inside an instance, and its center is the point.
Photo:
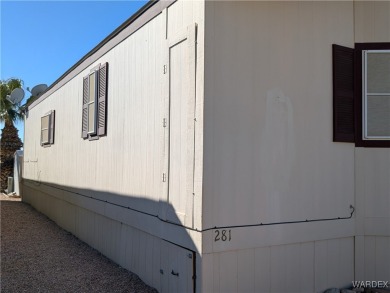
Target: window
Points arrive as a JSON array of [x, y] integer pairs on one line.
[[47, 129], [376, 94], [361, 94], [94, 114]]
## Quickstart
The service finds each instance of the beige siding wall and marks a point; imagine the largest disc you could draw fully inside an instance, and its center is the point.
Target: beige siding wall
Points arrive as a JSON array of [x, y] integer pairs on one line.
[[269, 155], [372, 21], [126, 166], [268, 149], [372, 167], [131, 152]]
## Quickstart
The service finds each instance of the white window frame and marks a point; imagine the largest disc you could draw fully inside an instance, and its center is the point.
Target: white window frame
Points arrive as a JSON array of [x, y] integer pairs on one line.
[[365, 135], [50, 129]]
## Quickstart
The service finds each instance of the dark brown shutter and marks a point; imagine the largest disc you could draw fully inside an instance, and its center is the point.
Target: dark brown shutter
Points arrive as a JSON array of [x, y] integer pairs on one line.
[[102, 100], [51, 126], [343, 94], [84, 130]]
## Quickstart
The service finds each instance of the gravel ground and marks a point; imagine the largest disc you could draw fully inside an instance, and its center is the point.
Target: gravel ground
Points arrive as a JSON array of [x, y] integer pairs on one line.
[[39, 256]]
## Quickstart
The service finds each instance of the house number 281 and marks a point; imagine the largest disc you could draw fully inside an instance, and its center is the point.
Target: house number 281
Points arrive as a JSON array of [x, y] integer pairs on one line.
[[223, 235]]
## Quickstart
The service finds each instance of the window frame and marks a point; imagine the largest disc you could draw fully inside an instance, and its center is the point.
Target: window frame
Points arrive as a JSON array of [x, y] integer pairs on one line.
[[360, 140], [366, 94], [50, 129], [47, 128]]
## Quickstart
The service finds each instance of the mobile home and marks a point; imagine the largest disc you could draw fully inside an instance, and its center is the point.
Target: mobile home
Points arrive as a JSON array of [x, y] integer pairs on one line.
[[213, 146]]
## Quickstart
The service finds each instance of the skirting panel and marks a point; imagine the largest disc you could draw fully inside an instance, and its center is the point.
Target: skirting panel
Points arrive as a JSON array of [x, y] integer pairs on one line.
[[160, 264], [301, 267]]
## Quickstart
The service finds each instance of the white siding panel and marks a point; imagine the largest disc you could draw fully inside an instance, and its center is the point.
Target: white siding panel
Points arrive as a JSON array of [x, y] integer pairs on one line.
[[284, 275], [122, 261], [306, 266], [372, 21], [301, 267], [181, 14], [216, 272], [149, 256], [85, 225], [100, 228], [359, 258], [334, 265], [68, 217], [321, 273], [208, 273], [164, 282], [228, 272], [377, 258], [369, 258], [382, 258], [142, 255], [156, 263], [135, 251], [246, 271], [263, 269], [129, 247], [113, 235]]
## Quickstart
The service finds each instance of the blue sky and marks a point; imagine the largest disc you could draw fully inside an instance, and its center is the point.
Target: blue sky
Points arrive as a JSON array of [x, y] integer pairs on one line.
[[40, 40]]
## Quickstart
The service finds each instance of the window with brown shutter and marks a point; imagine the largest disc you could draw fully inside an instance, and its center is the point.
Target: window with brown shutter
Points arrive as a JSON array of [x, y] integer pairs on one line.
[[94, 111], [47, 128], [361, 94]]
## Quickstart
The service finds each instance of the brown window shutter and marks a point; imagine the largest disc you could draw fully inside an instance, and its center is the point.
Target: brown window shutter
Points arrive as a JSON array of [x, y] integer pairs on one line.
[[343, 94], [51, 127], [102, 100], [84, 130]]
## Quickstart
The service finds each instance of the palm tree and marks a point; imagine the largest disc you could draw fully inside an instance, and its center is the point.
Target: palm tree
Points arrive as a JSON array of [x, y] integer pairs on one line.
[[10, 141]]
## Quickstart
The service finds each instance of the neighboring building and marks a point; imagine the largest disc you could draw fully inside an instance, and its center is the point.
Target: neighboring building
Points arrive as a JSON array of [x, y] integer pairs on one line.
[[199, 146]]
